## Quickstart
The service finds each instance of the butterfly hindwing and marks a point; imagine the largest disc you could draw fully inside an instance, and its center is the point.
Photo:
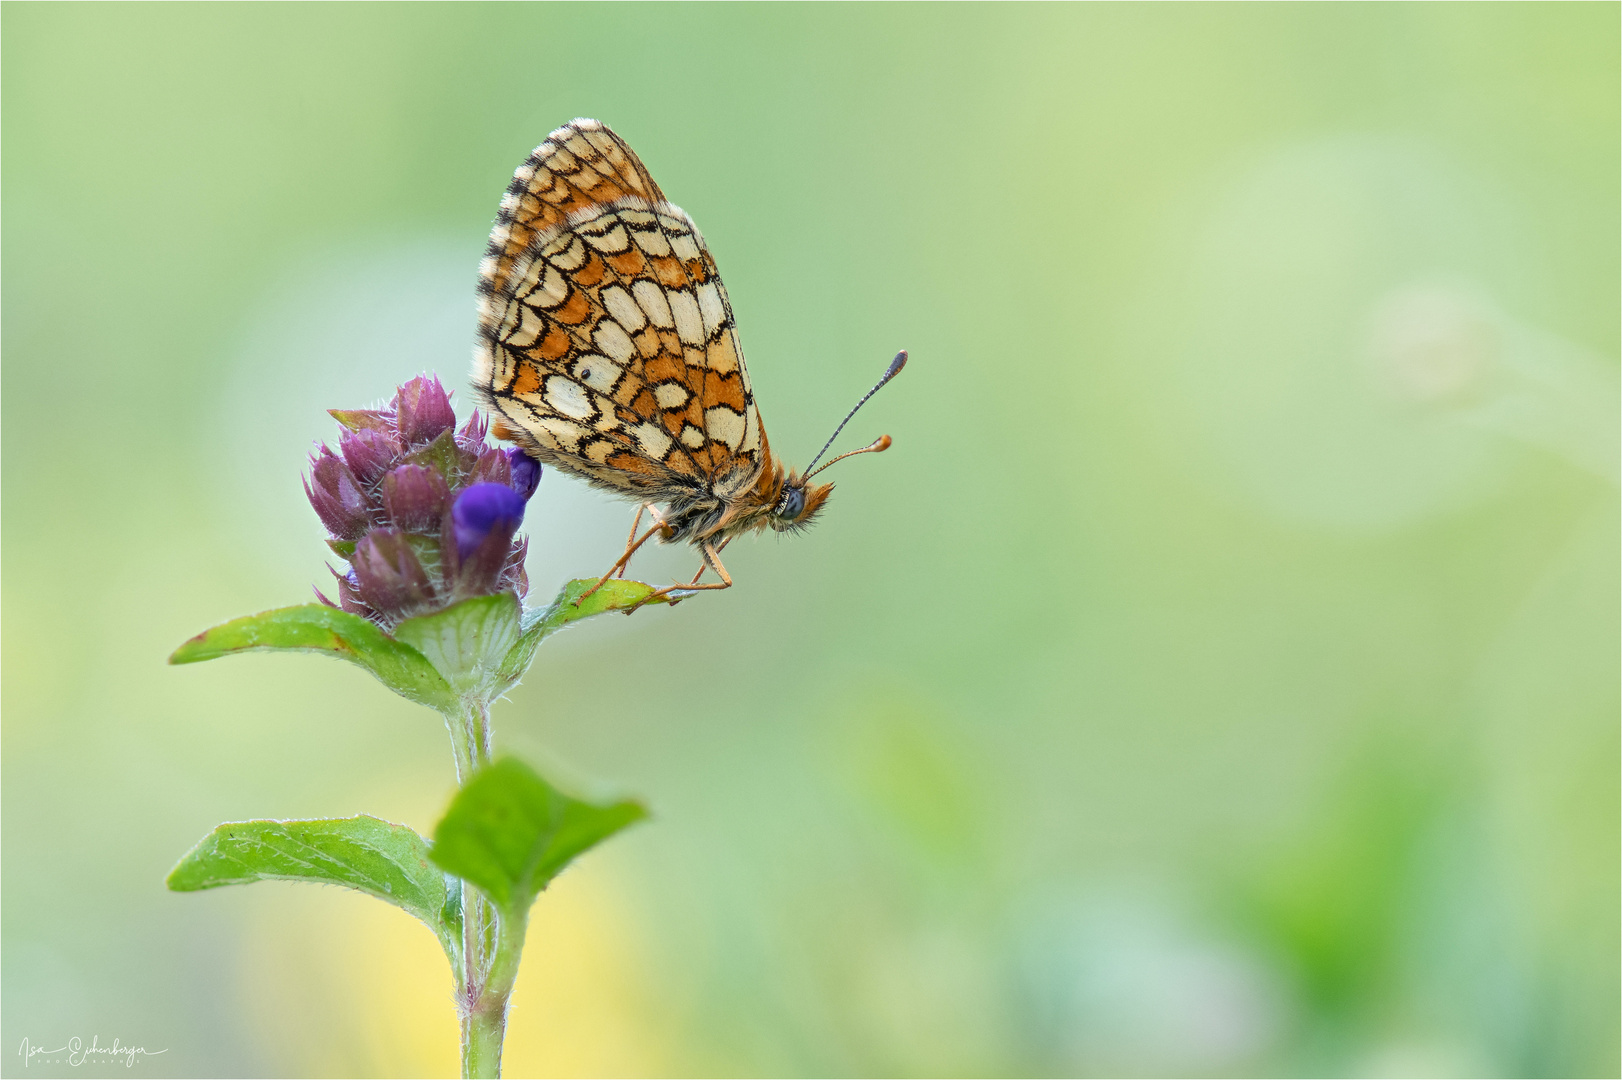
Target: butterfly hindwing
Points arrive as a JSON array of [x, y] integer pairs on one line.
[[607, 342]]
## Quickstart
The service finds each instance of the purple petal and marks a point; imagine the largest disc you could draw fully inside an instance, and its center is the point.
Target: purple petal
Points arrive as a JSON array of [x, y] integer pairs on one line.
[[482, 524], [526, 472], [483, 510]]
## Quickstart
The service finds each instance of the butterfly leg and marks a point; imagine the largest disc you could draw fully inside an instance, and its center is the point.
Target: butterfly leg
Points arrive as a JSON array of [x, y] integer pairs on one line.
[[630, 549], [636, 523], [712, 561]]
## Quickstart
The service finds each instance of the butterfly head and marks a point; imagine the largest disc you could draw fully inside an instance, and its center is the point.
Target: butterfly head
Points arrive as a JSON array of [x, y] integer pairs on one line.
[[798, 504], [799, 500]]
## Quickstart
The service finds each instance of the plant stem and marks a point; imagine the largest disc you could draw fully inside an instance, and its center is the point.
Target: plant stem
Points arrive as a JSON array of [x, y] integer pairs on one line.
[[482, 736], [463, 752], [491, 943], [481, 1044], [484, 1013], [471, 737]]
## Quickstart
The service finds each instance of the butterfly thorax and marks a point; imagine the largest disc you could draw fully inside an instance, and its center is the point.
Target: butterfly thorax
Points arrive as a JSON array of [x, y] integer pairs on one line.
[[775, 499]]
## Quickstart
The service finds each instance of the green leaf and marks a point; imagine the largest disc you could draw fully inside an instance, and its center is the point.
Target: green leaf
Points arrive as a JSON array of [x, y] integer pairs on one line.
[[321, 629], [541, 623], [389, 861], [467, 642], [479, 647], [510, 832]]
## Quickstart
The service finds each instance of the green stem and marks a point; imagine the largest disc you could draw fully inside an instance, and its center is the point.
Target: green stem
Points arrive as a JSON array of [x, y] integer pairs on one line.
[[481, 1044], [482, 736], [457, 726], [491, 944], [471, 737], [484, 1014]]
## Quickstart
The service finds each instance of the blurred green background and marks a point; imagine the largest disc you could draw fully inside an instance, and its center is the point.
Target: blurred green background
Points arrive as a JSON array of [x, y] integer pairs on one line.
[[1220, 676]]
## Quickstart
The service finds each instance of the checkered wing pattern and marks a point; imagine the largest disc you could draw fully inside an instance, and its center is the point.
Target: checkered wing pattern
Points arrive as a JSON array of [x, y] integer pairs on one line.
[[606, 341]]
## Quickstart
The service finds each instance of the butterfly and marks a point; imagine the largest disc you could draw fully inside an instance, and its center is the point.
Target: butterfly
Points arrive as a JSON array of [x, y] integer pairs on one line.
[[607, 348]]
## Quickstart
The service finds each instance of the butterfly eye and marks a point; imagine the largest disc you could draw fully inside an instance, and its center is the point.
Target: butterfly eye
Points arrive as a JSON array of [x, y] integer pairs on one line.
[[793, 502]]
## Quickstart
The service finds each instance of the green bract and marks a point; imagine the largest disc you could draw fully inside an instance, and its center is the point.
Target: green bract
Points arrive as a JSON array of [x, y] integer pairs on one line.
[[479, 647]]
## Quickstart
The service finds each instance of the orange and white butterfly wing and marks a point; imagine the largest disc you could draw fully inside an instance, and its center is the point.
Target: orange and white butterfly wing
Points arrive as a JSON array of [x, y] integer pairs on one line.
[[606, 340]]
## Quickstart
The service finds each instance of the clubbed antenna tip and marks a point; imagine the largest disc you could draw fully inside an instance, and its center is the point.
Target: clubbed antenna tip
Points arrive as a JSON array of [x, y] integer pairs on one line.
[[891, 372]]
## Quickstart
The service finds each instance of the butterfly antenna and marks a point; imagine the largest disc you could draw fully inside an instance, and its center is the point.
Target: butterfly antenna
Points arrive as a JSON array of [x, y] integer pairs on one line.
[[883, 442]]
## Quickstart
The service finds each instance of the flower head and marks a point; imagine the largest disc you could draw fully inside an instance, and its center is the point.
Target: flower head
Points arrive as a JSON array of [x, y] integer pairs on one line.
[[425, 514]]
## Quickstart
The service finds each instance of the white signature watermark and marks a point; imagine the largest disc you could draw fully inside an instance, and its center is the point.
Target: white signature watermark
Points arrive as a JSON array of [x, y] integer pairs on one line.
[[76, 1053]]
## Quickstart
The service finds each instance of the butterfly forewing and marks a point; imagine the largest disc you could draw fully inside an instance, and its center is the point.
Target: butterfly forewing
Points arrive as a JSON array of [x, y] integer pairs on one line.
[[606, 338]]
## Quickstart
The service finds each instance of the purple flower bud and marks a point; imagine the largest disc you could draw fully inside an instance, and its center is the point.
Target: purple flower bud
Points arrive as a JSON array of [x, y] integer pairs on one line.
[[513, 576], [471, 437], [349, 594], [422, 411], [425, 514], [368, 453], [491, 468], [389, 578], [483, 510], [526, 472], [484, 519], [336, 496], [415, 498]]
